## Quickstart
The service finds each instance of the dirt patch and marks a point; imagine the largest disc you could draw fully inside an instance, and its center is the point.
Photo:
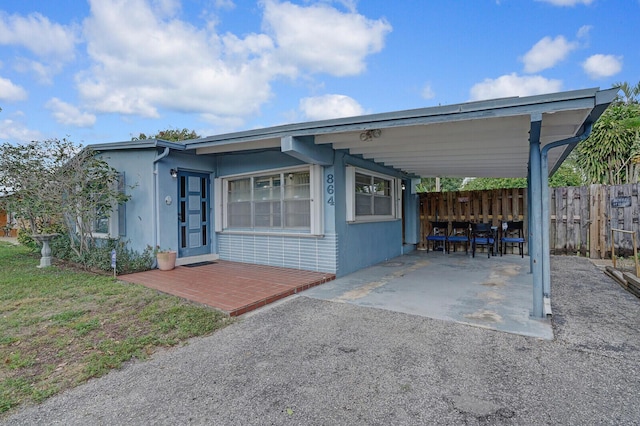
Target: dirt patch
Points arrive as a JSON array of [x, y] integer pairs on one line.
[[500, 274], [364, 290], [485, 315]]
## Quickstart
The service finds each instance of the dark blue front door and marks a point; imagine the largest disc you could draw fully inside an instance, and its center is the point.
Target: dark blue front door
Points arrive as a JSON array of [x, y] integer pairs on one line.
[[193, 214]]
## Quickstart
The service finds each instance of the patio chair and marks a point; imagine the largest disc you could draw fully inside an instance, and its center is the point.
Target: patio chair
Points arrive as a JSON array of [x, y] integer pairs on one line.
[[459, 235], [438, 236], [512, 233], [482, 235]]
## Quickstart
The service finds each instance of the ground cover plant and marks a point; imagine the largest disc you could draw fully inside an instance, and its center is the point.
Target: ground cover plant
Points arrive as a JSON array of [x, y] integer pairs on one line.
[[60, 327]]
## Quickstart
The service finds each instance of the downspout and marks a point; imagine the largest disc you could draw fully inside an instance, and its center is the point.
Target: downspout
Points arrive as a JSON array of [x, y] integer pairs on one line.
[[546, 219], [156, 197]]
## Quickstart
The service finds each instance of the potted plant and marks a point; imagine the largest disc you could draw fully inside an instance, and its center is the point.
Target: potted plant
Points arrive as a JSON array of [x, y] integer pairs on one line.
[[166, 259]]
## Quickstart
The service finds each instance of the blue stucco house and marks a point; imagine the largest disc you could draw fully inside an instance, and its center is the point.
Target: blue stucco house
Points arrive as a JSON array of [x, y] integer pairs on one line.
[[338, 195]]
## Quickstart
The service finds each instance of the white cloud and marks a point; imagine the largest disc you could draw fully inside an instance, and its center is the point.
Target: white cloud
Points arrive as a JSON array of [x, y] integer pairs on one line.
[[14, 131], [584, 31], [224, 4], [145, 59], [330, 106], [65, 113], [600, 66], [43, 72], [39, 35], [319, 38], [546, 53], [427, 92], [514, 85], [143, 62], [567, 2], [11, 92]]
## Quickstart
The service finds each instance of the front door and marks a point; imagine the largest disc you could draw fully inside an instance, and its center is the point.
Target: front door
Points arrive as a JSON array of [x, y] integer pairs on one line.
[[193, 214]]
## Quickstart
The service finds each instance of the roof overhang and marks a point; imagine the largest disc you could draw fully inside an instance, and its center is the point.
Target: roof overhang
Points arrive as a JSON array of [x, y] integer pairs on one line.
[[138, 144], [483, 139]]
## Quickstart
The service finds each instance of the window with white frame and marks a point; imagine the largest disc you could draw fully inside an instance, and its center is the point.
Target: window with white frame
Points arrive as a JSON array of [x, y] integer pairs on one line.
[[111, 221], [371, 196], [275, 201]]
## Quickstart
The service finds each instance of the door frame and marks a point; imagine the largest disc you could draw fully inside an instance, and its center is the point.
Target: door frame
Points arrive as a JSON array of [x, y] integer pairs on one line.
[[184, 213]]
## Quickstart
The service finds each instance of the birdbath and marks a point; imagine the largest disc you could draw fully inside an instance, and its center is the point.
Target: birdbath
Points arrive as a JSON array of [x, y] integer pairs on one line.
[[45, 260]]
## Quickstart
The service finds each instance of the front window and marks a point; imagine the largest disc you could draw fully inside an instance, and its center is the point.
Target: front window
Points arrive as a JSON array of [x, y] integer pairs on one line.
[[373, 196], [270, 201]]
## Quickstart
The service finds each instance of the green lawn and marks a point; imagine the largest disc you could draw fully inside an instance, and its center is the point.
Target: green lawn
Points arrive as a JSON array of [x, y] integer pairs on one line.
[[60, 327]]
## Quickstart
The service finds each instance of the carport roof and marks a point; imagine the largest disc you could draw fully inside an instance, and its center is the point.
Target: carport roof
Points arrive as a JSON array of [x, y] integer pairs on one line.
[[484, 139]]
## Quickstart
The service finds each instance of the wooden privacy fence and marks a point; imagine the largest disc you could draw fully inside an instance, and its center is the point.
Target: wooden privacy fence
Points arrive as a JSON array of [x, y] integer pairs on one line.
[[581, 217], [491, 206]]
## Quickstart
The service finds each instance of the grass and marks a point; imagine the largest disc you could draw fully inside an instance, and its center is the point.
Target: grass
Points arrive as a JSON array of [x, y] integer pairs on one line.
[[60, 327]]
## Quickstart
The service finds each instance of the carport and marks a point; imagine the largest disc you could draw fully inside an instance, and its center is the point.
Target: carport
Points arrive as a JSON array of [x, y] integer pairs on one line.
[[511, 137]]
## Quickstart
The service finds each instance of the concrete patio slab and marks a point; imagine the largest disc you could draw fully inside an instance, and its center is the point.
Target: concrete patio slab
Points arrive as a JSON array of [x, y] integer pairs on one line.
[[494, 293]]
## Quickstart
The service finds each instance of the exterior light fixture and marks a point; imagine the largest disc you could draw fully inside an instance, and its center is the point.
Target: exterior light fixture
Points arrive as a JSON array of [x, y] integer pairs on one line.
[[173, 173], [370, 134]]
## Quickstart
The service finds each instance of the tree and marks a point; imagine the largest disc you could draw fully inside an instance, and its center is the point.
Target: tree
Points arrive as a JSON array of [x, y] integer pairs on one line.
[[446, 184], [568, 174], [481, 184], [611, 154], [29, 171], [173, 135], [58, 182], [607, 156], [630, 94]]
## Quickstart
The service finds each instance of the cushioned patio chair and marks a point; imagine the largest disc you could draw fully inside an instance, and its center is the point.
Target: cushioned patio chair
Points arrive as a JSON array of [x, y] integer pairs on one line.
[[459, 235], [482, 235], [512, 233], [438, 236]]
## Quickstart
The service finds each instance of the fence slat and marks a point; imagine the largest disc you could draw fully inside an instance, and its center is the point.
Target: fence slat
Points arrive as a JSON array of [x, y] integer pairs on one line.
[[581, 217], [584, 220]]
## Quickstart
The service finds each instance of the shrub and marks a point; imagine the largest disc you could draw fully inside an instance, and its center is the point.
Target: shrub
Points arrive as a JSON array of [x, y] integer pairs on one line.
[[98, 255]]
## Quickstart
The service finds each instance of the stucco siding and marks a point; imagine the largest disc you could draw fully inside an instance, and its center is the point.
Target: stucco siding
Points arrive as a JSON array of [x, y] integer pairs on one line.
[[137, 166]]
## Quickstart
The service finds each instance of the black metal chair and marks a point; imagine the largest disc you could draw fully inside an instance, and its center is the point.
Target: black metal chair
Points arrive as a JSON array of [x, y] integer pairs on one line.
[[482, 235], [459, 235], [438, 235], [512, 233]]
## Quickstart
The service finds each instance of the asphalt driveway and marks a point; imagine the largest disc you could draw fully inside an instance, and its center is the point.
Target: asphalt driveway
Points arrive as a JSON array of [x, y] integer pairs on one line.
[[310, 361]]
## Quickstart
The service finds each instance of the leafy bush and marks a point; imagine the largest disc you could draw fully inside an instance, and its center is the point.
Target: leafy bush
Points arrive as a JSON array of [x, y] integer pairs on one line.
[[25, 235], [24, 238], [98, 256]]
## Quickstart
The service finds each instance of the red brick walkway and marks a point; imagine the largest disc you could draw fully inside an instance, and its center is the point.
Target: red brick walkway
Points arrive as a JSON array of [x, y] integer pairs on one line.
[[233, 287]]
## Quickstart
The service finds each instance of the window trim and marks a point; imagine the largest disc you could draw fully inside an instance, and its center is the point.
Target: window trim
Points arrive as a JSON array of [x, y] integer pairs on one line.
[[116, 226], [221, 200], [396, 196]]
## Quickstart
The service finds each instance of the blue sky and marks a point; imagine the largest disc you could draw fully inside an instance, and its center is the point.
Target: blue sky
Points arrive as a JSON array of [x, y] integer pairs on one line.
[[107, 70]]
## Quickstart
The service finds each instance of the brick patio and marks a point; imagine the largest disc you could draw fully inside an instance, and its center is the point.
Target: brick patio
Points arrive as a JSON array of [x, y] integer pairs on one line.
[[233, 287]]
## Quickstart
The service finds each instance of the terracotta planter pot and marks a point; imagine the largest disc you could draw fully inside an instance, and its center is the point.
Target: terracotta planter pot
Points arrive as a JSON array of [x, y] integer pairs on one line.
[[166, 260]]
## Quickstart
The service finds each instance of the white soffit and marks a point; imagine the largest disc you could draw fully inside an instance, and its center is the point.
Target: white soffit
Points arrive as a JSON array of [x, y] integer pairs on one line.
[[485, 138], [484, 147]]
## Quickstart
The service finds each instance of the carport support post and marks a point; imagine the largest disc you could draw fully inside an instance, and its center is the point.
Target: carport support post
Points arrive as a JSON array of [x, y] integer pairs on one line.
[[546, 216], [529, 216], [535, 223], [546, 257]]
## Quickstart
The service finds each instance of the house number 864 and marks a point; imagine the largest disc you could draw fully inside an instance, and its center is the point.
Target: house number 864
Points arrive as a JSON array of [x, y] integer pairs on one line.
[[330, 190]]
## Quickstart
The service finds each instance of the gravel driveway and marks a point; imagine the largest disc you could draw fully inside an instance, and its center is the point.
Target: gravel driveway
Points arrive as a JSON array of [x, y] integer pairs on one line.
[[307, 361]]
